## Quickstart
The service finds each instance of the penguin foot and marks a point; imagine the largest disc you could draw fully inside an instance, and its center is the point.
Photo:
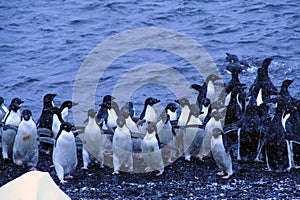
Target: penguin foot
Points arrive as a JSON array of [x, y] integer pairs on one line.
[[221, 173], [148, 169], [297, 167], [51, 166], [188, 158], [85, 168], [169, 161], [69, 177], [116, 172], [160, 173], [33, 169], [19, 162], [226, 177], [62, 181]]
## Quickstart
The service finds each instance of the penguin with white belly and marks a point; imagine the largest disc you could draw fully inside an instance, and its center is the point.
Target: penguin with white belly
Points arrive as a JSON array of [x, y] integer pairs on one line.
[[56, 121], [148, 114], [3, 111], [182, 121], [64, 155], [122, 147], [11, 124], [93, 141], [211, 90], [214, 122], [193, 135], [151, 152], [25, 149], [166, 137], [221, 154]]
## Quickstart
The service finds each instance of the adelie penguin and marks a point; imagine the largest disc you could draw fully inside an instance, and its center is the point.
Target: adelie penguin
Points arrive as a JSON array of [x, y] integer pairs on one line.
[[221, 154], [64, 109], [45, 120], [148, 114], [122, 147], [64, 155], [193, 135], [102, 114], [214, 122], [151, 152], [11, 124], [93, 141], [211, 89], [182, 122], [25, 148], [166, 137]]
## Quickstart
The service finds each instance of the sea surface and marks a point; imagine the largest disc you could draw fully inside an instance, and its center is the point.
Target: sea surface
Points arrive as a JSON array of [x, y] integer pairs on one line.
[[44, 43]]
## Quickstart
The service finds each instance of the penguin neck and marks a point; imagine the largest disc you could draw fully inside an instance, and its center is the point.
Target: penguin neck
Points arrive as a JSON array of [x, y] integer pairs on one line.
[[173, 115], [235, 77], [124, 129], [185, 111]]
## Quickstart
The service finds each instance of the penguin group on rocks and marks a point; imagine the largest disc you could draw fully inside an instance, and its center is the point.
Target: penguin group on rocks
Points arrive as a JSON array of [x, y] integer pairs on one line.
[[231, 124]]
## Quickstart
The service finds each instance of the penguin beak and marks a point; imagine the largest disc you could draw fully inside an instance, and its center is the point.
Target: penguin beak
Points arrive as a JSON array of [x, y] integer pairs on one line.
[[177, 101], [74, 103]]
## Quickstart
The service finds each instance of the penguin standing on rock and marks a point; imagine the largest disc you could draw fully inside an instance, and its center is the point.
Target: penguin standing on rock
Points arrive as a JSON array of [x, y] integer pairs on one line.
[[182, 122], [93, 141], [64, 155], [193, 135], [151, 152], [214, 122], [11, 124], [122, 147], [25, 149], [45, 120], [220, 153]]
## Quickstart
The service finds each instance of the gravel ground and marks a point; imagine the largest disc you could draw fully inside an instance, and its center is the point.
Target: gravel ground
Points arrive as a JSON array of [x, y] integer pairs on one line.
[[182, 179]]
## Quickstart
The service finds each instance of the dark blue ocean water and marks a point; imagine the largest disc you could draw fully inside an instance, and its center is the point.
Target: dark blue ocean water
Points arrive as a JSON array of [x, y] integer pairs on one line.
[[43, 43]]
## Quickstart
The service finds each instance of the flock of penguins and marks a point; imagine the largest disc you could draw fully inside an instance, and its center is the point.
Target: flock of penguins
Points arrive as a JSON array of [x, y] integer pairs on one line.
[[233, 124]]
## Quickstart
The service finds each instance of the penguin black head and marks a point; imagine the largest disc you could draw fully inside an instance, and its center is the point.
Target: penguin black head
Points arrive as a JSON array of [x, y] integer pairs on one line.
[[206, 102], [26, 114], [91, 113], [107, 98], [151, 127], [1, 100], [213, 78], [17, 101], [232, 58], [68, 104], [66, 126], [14, 107], [183, 101], [151, 101], [287, 83], [48, 98], [196, 87], [111, 104], [121, 121], [266, 63], [172, 107]]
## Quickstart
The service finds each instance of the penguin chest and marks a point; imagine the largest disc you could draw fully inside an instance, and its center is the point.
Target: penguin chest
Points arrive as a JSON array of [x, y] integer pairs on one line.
[[150, 115], [173, 115], [210, 91], [182, 121], [64, 114], [122, 139], [13, 119], [112, 118], [55, 125], [65, 145], [150, 143], [131, 125], [26, 134], [204, 114], [164, 132], [92, 136]]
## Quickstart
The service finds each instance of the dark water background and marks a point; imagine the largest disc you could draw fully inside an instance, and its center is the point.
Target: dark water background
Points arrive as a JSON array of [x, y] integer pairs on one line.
[[43, 43]]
